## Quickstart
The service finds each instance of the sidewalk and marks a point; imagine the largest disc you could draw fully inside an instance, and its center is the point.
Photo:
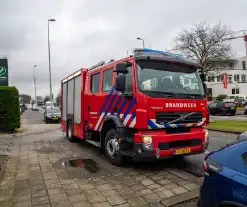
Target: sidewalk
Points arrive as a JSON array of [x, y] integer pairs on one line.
[[37, 174]]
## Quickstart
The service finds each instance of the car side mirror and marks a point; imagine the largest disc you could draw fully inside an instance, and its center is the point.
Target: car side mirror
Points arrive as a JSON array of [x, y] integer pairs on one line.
[[122, 68], [120, 83]]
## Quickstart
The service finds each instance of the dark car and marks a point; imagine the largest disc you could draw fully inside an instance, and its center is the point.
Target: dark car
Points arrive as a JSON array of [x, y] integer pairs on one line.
[[52, 114], [225, 176], [222, 108]]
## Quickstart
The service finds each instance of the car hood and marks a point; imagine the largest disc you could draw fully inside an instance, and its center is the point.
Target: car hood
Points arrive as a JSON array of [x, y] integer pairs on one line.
[[228, 100], [230, 152], [54, 114]]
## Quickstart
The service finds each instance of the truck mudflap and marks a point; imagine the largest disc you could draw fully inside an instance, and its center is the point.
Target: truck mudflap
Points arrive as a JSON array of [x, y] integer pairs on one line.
[[158, 145]]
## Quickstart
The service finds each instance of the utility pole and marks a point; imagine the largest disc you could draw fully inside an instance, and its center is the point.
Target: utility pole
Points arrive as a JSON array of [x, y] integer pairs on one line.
[[49, 54], [34, 82]]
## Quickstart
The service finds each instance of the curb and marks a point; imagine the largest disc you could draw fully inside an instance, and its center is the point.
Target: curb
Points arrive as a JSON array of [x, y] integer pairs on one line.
[[225, 131], [175, 200]]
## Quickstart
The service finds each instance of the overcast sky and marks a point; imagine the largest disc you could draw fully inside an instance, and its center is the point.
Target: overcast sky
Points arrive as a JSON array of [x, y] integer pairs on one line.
[[88, 31]]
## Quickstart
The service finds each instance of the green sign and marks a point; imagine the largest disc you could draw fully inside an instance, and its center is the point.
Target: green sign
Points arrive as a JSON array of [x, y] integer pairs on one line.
[[4, 78]]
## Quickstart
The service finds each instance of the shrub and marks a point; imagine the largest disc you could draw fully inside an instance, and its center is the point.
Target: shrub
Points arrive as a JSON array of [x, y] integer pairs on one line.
[[9, 108], [220, 97]]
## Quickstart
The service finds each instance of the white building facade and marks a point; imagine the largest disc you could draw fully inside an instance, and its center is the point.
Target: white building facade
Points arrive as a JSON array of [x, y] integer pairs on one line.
[[236, 71]]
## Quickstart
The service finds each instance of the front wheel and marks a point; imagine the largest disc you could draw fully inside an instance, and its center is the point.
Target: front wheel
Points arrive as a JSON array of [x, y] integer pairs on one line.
[[112, 148]]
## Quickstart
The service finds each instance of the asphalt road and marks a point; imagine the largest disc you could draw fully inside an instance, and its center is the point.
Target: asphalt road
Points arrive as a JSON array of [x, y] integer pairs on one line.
[[33, 117], [236, 117], [193, 163]]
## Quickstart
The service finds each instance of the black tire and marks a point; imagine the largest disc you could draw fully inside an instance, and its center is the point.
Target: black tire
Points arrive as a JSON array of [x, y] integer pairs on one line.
[[245, 112], [115, 159], [69, 132], [46, 121]]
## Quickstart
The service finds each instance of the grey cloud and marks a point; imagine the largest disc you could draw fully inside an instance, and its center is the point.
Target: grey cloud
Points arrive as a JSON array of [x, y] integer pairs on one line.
[[87, 32]]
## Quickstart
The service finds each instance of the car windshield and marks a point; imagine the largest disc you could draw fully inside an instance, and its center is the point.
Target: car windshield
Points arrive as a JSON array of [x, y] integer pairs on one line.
[[53, 110], [157, 78]]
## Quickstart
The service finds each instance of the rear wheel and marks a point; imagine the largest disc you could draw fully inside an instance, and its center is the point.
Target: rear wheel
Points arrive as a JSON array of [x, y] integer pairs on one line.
[[69, 133], [112, 148]]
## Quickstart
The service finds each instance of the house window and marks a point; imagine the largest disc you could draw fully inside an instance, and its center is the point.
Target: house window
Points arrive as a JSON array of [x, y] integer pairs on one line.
[[243, 78], [236, 78], [218, 78], [244, 65], [107, 80], [235, 91], [212, 78], [229, 79], [95, 83]]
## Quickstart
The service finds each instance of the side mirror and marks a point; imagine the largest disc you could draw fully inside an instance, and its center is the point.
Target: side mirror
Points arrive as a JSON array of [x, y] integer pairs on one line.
[[120, 83], [122, 68]]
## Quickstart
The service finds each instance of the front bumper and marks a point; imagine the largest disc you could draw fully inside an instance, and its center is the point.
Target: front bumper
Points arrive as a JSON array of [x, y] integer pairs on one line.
[[165, 145], [50, 119]]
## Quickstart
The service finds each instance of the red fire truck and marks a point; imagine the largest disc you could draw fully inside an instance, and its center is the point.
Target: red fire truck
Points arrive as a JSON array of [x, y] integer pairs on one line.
[[137, 106]]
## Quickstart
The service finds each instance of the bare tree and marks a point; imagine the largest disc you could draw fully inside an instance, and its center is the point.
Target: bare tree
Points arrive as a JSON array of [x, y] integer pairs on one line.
[[205, 44]]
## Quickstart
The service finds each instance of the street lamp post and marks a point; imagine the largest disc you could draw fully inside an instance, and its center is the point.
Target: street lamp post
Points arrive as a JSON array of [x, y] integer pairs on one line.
[[143, 45], [34, 82], [49, 54]]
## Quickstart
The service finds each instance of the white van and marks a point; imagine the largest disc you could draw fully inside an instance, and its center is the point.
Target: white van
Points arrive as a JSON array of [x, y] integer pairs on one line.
[[237, 98]]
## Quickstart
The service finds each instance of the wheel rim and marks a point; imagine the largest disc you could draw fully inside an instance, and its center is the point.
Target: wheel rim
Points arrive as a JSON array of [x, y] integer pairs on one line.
[[70, 131], [112, 147]]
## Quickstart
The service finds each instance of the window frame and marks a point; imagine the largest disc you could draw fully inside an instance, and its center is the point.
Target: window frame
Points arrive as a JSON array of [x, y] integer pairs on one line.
[[91, 82], [103, 79]]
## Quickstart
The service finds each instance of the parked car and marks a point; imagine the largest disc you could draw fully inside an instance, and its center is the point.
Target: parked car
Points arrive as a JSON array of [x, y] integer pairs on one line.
[[222, 108], [225, 176], [245, 108], [35, 107], [52, 114], [238, 99]]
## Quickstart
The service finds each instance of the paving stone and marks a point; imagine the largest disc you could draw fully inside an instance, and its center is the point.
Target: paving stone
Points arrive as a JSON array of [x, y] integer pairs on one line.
[[62, 204], [170, 186], [96, 198], [191, 186], [137, 202], [70, 186], [40, 200], [152, 198], [123, 205], [6, 204], [71, 181], [153, 186], [138, 187], [86, 187], [54, 185], [22, 204], [159, 189], [56, 191], [58, 197], [163, 181], [144, 192], [38, 193], [165, 194], [115, 200], [5, 197], [147, 182], [22, 198], [74, 191], [91, 192], [104, 187], [104, 204], [140, 177], [77, 198], [156, 177], [179, 190], [82, 204]]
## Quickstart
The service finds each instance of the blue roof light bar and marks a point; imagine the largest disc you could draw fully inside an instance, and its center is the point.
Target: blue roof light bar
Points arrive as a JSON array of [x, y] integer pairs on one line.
[[161, 52]]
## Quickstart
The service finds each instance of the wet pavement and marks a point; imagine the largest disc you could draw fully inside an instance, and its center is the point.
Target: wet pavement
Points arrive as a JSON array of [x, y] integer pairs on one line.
[[48, 170]]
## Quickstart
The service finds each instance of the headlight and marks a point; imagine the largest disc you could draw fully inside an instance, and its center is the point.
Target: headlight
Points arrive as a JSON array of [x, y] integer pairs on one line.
[[147, 139]]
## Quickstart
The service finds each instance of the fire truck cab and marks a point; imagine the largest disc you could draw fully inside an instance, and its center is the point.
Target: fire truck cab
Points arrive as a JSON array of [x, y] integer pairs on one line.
[[137, 106]]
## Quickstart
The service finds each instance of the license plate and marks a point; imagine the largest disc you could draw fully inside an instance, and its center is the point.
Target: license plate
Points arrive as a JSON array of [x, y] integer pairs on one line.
[[182, 151], [54, 118]]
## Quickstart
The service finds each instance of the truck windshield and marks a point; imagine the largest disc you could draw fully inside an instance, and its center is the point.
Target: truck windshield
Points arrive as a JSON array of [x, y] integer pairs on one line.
[[165, 79]]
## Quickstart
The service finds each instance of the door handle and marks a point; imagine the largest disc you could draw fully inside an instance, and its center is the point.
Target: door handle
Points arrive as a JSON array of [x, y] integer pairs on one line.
[[88, 107]]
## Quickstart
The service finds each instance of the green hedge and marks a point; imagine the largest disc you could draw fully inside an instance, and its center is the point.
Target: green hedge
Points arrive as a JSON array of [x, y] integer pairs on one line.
[[9, 108], [221, 97]]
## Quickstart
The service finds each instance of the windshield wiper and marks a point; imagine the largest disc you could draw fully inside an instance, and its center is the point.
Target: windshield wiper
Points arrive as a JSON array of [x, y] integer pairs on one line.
[[165, 94], [190, 95]]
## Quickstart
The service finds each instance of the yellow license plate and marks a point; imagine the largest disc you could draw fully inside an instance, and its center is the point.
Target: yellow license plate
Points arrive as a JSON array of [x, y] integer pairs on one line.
[[182, 151], [54, 118]]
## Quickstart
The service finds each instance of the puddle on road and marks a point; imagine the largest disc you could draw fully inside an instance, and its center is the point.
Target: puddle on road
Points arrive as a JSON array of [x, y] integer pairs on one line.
[[89, 164]]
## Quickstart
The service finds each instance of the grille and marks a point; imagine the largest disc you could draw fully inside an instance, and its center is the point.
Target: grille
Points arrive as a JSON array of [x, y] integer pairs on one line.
[[179, 143], [165, 117]]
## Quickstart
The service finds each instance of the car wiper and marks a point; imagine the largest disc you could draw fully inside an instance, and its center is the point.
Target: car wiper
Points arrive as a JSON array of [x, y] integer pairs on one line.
[[190, 95], [165, 94]]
